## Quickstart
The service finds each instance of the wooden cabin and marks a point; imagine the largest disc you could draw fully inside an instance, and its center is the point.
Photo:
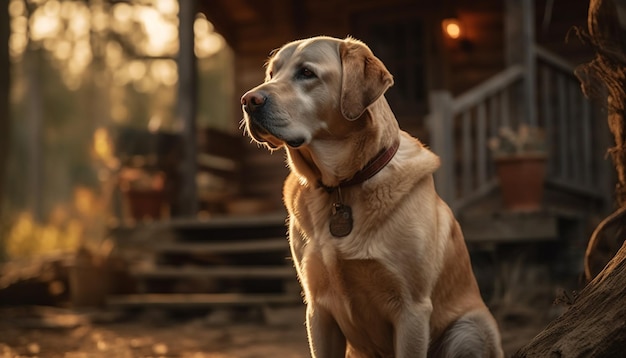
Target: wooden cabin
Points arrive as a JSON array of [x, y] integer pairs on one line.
[[513, 62], [408, 36]]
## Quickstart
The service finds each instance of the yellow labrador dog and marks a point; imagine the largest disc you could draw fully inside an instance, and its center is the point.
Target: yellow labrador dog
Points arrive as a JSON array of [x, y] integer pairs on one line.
[[381, 259]]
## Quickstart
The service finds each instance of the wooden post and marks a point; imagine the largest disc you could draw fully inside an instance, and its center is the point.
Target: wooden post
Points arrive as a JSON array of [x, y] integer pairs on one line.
[[5, 32], [441, 142], [187, 205], [519, 45]]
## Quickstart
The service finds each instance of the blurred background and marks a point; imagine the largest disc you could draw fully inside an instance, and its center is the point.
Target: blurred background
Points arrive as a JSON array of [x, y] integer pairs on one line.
[[125, 176]]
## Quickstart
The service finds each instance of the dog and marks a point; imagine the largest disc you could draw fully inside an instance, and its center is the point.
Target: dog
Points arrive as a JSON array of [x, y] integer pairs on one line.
[[380, 257]]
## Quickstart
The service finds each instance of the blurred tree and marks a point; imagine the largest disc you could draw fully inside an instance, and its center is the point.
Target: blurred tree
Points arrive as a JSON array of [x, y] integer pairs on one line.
[[4, 94], [81, 66]]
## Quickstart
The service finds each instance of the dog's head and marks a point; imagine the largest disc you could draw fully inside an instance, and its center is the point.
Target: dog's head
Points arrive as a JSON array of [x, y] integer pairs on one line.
[[316, 88]]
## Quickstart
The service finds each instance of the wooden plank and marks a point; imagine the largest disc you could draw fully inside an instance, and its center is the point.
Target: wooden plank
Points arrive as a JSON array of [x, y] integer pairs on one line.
[[510, 228], [215, 272], [505, 110], [442, 143], [195, 300], [519, 50], [547, 112], [554, 60], [238, 246], [468, 173], [588, 170], [575, 154], [476, 195], [494, 102], [187, 201], [481, 144], [487, 88], [563, 131], [272, 219]]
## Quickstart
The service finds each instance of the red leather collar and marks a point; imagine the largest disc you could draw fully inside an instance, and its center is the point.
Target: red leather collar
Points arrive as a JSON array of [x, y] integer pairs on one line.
[[371, 168]]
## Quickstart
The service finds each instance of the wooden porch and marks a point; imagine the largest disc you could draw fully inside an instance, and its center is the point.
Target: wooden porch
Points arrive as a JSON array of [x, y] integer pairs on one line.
[[211, 263]]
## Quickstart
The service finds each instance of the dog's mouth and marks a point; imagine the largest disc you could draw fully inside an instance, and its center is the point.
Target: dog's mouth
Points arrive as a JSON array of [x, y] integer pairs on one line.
[[260, 135], [271, 136]]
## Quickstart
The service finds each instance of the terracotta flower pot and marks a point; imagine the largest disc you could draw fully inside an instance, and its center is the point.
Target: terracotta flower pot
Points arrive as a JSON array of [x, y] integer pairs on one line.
[[146, 203], [522, 181]]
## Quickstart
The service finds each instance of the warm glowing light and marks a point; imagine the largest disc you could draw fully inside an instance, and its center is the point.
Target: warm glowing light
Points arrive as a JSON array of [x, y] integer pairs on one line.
[[136, 70], [84, 200], [102, 144], [207, 41], [167, 7], [164, 71], [452, 28], [17, 8], [44, 25]]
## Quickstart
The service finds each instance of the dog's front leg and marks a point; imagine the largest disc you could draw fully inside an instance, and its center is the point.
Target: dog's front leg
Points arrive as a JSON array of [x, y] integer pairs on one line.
[[412, 330], [325, 337]]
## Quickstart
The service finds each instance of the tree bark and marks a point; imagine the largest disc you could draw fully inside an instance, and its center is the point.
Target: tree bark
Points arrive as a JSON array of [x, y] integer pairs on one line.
[[595, 323]]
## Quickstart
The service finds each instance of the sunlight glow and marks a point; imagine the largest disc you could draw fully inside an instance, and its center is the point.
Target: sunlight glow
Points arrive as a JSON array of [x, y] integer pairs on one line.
[[164, 71], [43, 25], [137, 70], [69, 30], [207, 42], [103, 145], [17, 8], [167, 7]]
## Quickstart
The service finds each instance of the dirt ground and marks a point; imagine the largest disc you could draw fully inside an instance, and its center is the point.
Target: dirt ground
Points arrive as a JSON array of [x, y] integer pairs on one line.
[[52, 332]]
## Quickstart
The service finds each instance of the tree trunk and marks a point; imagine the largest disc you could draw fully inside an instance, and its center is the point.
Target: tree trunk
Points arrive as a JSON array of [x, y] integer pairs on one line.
[[595, 324], [4, 95]]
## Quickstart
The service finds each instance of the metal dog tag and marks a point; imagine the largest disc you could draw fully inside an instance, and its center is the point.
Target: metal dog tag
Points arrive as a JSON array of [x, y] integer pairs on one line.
[[340, 220]]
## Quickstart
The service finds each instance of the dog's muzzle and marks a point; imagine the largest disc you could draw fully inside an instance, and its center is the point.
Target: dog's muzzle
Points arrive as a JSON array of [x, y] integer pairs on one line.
[[252, 103], [261, 125]]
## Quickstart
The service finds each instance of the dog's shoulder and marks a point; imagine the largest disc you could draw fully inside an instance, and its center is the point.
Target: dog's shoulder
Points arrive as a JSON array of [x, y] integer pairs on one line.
[[415, 159]]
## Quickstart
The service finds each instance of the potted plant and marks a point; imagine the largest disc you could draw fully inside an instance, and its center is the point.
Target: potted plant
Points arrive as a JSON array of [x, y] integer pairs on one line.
[[144, 192], [520, 161]]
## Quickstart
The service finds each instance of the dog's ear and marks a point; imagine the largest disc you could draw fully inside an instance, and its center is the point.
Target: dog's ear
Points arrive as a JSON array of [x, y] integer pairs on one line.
[[365, 78]]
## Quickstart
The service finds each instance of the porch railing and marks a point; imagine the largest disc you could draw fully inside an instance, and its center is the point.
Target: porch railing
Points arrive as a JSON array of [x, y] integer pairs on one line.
[[460, 128]]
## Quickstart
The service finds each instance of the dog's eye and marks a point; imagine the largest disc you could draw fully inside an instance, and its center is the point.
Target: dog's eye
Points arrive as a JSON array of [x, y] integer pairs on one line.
[[305, 73], [271, 74]]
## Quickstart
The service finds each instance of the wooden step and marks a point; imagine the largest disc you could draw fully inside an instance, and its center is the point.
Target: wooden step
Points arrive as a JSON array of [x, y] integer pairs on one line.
[[236, 246], [510, 227], [165, 272], [196, 300], [229, 222]]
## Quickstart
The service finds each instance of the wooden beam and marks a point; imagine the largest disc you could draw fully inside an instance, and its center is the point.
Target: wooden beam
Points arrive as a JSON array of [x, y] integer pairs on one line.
[[187, 205], [510, 228], [5, 32], [187, 301], [239, 272], [520, 49]]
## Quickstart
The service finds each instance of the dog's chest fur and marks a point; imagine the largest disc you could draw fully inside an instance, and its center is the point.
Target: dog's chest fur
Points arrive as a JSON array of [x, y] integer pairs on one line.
[[356, 278], [362, 295]]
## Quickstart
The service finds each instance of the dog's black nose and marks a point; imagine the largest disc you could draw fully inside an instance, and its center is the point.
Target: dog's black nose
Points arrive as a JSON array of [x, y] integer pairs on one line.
[[253, 100]]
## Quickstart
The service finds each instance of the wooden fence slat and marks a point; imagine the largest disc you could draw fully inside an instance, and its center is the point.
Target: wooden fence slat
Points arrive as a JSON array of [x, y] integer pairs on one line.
[[505, 110], [574, 154], [563, 132], [547, 112], [481, 144], [468, 174], [588, 171], [441, 127], [461, 128], [494, 103]]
